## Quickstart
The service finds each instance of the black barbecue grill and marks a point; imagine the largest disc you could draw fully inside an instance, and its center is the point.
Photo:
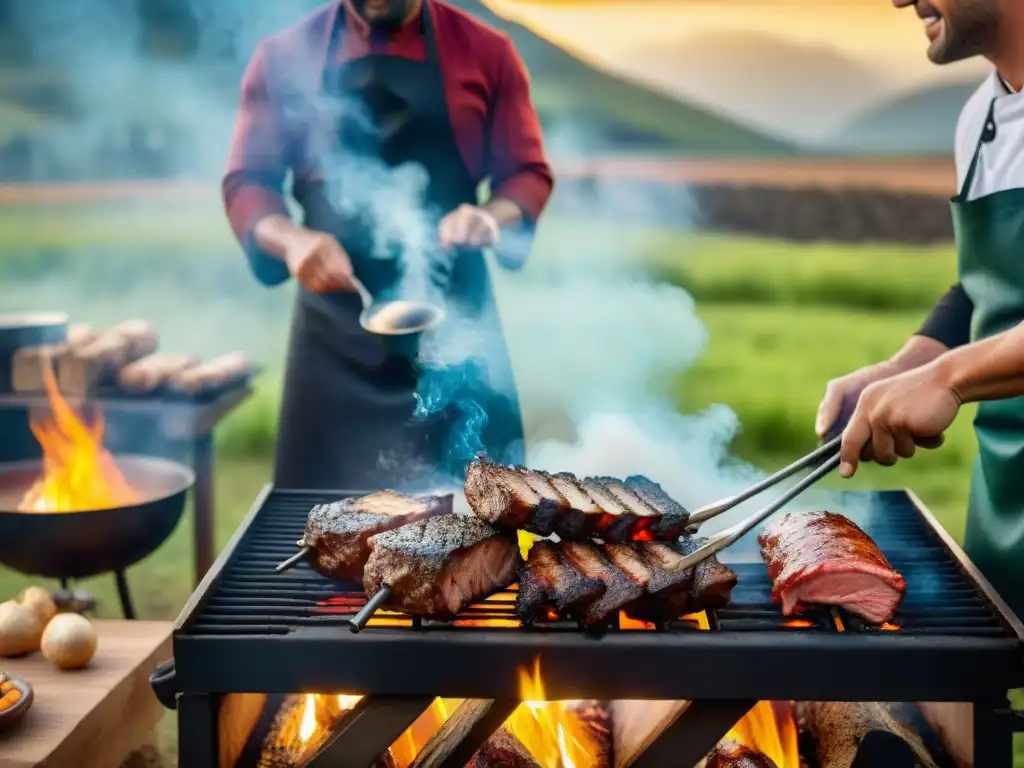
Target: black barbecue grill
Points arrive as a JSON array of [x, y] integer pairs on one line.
[[249, 629]]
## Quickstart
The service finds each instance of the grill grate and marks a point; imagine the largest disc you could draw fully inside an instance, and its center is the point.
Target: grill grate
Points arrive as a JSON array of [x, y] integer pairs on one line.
[[252, 599], [251, 629]]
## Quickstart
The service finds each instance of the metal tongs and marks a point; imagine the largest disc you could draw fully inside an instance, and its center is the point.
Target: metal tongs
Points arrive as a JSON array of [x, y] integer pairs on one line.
[[825, 458]]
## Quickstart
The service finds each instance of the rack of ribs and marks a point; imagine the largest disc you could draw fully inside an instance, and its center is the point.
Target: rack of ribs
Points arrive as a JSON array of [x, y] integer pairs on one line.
[[606, 508], [595, 581]]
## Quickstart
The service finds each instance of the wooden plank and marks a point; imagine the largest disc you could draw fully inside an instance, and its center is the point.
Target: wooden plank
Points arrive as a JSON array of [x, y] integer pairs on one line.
[[470, 725], [96, 715]]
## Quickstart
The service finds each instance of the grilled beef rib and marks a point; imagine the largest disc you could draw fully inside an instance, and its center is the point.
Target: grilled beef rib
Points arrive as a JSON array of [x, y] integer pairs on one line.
[[338, 533], [438, 566]]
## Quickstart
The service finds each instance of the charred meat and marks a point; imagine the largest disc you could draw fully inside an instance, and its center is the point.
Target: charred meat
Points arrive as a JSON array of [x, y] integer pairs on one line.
[[548, 579], [707, 586], [438, 566], [338, 533], [619, 589], [824, 558], [636, 509]]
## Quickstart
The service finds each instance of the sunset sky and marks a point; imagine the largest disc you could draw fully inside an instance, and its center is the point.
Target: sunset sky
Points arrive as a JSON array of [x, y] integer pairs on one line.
[[871, 31]]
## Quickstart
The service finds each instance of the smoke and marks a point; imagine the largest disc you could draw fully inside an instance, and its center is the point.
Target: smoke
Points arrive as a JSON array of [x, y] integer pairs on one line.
[[595, 346]]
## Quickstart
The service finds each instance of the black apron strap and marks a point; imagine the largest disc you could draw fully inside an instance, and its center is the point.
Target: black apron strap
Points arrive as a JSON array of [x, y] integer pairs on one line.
[[988, 133]]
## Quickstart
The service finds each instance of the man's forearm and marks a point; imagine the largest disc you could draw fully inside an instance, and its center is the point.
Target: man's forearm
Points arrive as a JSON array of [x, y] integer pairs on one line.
[[992, 369], [506, 212], [275, 234], [918, 351]]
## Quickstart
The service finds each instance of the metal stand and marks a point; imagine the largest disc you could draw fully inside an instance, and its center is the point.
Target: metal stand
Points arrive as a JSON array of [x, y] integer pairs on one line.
[[127, 609], [197, 730], [993, 734]]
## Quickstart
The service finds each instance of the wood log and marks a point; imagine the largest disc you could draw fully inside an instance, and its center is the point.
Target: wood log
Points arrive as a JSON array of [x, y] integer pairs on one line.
[[238, 715], [82, 368], [637, 724], [953, 722], [153, 371], [837, 730], [729, 754], [503, 750], [29, 363], [460, 737], [598, 720]]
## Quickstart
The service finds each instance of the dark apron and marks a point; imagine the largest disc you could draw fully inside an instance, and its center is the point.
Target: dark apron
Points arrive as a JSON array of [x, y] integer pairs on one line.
[[990, 244], [355, 414]]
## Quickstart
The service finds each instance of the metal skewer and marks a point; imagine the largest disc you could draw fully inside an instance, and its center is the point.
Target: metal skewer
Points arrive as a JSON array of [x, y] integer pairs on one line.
[[716, 508], [292, 561], [731, 535], [357, 623]]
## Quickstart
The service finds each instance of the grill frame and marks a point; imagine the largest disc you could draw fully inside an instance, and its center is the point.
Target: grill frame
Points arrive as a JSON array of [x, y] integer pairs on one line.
[[761, 664]]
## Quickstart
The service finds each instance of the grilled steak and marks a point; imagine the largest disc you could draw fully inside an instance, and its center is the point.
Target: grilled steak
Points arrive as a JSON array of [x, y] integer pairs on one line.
[[824, 558], [338, 532], [729, 754], [708, 586], [548, 579], [438, 566], [612, 510], [619, 589]]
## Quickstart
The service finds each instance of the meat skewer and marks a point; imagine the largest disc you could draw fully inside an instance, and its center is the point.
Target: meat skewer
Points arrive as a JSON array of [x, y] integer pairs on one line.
[[336, 534], [436, 567], [824, 558], [717, 508], [734, 533], [634, 509]]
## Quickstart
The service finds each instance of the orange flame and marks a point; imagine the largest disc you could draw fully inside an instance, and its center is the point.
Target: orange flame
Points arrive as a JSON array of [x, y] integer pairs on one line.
[[416, 736], [769, 728], [78, 474], [550, 730], [319, 711]]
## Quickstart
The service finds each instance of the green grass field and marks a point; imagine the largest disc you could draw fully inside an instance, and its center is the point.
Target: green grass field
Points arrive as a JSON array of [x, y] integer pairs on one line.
[[782, 319]]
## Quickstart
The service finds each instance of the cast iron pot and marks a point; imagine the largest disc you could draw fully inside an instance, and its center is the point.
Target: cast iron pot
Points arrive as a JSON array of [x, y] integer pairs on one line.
[[76, 545]]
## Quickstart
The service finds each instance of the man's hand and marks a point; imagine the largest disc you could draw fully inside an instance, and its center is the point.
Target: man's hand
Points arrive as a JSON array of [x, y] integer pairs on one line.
[[469, 225], [897, 414], [847, 390], [319, 262]]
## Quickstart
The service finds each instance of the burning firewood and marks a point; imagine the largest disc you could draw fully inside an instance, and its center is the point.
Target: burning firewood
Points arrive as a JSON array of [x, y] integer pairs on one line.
[[729, 754], [81, 368], [838, 729], [596, 716], [503, 750]]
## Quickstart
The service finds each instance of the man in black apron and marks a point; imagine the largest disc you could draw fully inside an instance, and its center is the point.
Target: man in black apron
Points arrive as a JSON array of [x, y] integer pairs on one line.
[[397, 83], [971, 349]]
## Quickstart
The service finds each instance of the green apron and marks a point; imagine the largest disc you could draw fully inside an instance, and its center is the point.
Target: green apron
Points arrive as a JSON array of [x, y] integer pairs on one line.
[[990, 244]]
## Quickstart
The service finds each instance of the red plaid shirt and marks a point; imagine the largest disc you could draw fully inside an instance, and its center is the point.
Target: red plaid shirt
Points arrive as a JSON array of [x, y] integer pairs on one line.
[[488, 96]]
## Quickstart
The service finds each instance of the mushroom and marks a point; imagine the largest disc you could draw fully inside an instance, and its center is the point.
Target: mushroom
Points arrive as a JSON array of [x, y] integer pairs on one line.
[[20, 629], [69, 641], [38, 600]]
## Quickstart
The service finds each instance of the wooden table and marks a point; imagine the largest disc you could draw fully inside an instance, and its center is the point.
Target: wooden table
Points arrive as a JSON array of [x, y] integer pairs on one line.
[[182, 422], [94, 716]]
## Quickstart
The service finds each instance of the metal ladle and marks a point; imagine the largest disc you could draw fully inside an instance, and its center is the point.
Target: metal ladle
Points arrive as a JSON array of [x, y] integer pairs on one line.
[[396, 318]]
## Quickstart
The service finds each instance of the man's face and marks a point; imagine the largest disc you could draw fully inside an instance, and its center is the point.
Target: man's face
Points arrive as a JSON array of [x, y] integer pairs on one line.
[[382, 13], [958, 29]]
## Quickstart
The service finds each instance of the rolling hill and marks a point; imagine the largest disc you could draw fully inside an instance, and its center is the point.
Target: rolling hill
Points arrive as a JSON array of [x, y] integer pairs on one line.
[[800, 91], [922, 122]]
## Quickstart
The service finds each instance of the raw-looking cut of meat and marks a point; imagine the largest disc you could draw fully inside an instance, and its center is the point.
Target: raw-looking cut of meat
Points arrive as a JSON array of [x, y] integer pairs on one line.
[[823, 558], [339, 533], [575, 509], [547, 578], [437, 567]]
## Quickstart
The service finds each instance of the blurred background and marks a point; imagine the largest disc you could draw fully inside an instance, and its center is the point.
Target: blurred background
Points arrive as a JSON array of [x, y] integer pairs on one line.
[[750, 200]]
